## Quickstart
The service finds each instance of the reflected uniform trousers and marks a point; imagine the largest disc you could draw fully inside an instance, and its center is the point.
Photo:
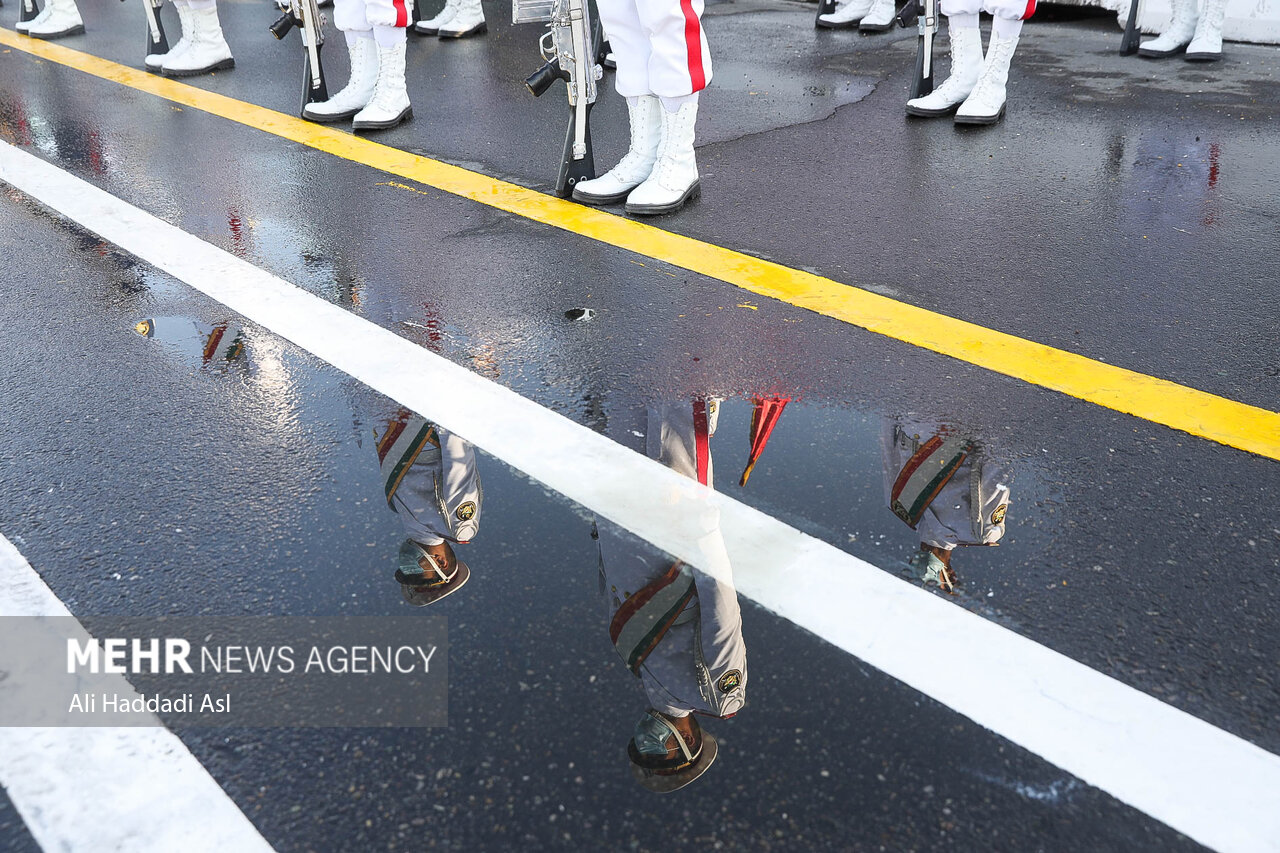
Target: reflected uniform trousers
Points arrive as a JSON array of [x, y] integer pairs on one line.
[[659, 45]]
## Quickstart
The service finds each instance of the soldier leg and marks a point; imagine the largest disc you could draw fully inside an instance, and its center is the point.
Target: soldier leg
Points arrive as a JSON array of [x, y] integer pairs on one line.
[[631, 51], [349, 18], [679, 68], [207, 51], [389, 105], [985, 105], [966, 61]]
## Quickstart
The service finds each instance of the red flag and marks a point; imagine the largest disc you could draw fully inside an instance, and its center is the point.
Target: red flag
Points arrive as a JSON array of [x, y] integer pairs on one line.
[[763, 419]]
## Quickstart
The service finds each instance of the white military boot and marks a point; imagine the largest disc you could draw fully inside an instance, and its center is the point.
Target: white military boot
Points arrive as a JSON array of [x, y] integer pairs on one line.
[[985, 104], [879, 18], [389, 105], [845, 16], [468, 21], [966, 67], [358, 92], [58, 18], [1176, 36], [154, 61], [1206, 46], [637, 164], [207, 51], [23, 26], [431, 26], [674, 179]]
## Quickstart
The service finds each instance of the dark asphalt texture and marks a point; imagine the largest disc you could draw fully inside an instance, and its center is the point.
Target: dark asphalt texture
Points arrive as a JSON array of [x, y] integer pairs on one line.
[[137, 480]]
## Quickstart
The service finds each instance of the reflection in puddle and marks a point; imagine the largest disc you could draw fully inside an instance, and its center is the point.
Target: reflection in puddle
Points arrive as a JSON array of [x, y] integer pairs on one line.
[[431, 481], [942, 485], [217, 345], [678, 630]]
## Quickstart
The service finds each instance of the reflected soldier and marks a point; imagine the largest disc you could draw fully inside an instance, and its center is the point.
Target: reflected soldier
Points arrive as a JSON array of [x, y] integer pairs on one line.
[[431, 481], [678, 630], [944, 487]]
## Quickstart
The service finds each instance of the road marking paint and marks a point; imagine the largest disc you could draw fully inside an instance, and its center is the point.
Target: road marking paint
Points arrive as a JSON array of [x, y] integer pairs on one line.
[[106, 788], [1199, 413], [1211, 785]]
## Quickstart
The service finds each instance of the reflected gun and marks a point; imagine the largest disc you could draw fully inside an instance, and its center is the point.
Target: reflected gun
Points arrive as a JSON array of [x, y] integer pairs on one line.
[[304, 15], [570, 48]]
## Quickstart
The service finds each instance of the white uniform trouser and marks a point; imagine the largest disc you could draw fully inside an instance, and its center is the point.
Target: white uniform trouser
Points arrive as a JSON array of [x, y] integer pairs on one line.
[[1009, 10], [362, 16], [659, 45]]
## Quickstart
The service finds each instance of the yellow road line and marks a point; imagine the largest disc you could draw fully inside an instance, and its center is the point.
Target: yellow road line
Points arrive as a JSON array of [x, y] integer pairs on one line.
[[1196, 412]]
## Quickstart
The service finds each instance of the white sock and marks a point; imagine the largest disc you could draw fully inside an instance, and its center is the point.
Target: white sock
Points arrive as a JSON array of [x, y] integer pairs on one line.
[[966, 21], [202, 5], [673, 105], [1006, 28], [353, 35], [389, 36]]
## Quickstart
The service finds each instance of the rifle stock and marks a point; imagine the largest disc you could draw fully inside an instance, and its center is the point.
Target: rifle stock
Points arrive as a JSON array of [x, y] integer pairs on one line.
[[305, 15], [924, 13], [1129, 41], [825, 7], [28, 11]]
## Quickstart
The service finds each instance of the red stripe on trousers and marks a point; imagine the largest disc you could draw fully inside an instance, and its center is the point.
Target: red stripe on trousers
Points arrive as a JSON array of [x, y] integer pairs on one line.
[[402, 13], [693, 40], [701, 440], [1031, 9]]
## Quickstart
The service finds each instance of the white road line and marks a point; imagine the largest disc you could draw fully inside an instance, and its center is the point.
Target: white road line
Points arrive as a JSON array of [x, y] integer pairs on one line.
[[106, 789], [1213, 786]]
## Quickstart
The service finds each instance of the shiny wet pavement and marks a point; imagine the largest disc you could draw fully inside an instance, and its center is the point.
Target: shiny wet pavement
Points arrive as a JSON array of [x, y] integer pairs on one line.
[[140, 477]]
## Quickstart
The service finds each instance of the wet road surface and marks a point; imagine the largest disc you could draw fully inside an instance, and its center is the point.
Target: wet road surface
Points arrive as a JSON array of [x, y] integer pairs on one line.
[[1124, 215]]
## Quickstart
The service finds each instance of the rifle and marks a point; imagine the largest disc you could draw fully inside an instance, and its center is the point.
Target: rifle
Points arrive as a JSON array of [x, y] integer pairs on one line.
[[28, 12], [570, 48], [825, 7], [304, 15], [1129, 41], [924, 14], [157, 42]]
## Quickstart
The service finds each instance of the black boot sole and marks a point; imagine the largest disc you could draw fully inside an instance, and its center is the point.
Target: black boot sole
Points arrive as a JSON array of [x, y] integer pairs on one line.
[[1160, 54], [921, 112], [875, 28], [981, 120], [658, 209], [404, 116], [600, 200], [1203, 57], [483, 27], [327, 118], [224, 65], [78, 29], [847, 25]]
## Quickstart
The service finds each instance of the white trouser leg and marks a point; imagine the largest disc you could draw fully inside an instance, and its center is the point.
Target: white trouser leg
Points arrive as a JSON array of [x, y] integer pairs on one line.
[[679, 59], [630, 44]]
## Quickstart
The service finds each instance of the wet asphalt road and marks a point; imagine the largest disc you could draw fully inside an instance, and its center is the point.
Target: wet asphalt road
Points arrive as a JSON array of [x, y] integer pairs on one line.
[[137, 479]]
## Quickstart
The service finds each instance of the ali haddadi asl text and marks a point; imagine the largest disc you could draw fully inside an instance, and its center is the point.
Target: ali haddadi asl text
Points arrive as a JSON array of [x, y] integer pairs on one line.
[[115, 703]]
